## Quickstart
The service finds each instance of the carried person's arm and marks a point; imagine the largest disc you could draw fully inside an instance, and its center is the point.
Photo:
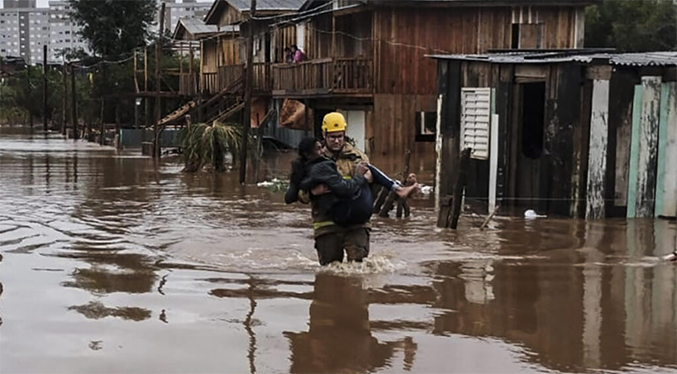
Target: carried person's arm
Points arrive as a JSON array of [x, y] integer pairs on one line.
[[327, 175]]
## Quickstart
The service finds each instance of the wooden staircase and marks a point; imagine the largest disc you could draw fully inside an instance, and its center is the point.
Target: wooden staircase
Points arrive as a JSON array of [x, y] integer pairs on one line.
[[219, 107]]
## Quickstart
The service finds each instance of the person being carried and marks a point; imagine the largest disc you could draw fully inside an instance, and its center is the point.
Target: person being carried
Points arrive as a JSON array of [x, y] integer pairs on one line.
[[350, 201]]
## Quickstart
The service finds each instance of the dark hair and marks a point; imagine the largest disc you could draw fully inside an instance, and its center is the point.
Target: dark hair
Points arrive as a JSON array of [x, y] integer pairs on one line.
[[294, 46], [307, 146]]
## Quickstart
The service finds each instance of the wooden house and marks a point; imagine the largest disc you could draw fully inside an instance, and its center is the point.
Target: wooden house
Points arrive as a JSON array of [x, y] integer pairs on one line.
[[225, 55], [367, 58], [568, 133], [189, 35]]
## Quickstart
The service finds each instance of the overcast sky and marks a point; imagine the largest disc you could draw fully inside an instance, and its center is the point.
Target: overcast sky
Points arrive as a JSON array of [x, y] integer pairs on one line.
[[45, 3]]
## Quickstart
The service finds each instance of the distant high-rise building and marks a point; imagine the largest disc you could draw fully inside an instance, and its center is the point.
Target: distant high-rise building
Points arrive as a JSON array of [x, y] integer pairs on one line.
[[13, 4], [64, 32], [24, 31], [187, 9]]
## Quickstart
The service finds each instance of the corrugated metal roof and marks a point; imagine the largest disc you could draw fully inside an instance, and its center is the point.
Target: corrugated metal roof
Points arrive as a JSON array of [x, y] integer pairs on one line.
[[196, 26], [544, 57], [244, 5]]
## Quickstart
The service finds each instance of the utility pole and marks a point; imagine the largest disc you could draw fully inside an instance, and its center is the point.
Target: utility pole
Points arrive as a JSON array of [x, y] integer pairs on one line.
[[74, 113], [44, 88], [158, 85], [248, 83], [64, 99]]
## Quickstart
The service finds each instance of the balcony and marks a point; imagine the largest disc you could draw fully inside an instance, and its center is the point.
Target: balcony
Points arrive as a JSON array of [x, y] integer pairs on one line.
[[324, 77], [213, 83]]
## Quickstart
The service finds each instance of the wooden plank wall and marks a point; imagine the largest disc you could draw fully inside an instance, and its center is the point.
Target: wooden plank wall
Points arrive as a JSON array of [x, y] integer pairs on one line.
[[394, 118], [230, 50], [403, 36], [209, 57], [353, 35], [318, 37], [666, 187], [621, 94], [599, 134], [283, 37], [562, 114], [230, 16]]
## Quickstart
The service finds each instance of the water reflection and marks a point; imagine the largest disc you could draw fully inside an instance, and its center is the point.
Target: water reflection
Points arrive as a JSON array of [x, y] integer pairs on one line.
[[565, 295], [339, 338], [96, 310]]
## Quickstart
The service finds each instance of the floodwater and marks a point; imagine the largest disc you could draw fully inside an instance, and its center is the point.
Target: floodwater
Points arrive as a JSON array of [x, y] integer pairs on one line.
[[111, 263]]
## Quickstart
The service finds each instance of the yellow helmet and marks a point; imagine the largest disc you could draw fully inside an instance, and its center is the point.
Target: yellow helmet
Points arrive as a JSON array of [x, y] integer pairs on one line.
[[333, 122]]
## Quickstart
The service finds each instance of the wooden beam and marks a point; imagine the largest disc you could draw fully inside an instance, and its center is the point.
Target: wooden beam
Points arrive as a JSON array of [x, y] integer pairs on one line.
[[136, 79], [157, 146], [599, 131], [600, 72], [459, 187], [634, 152], [248, 87], [44, 88], [666, 182], [648, 147], [74, 113]]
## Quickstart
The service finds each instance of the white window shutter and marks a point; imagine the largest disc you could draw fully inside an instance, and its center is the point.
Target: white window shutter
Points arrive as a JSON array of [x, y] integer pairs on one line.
[[475, 121]]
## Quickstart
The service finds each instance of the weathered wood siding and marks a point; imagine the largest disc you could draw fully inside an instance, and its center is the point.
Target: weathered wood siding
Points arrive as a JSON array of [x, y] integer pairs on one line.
[[648, 147], [208, 56], [403, 36], [229, 46], [599, 134], [393, 127], [230, 16], [666, 185], [283, 37]]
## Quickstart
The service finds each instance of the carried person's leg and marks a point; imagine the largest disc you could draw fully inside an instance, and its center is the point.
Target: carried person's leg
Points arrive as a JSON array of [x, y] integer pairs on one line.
[[382, 179], [329, 247], [357, 244]]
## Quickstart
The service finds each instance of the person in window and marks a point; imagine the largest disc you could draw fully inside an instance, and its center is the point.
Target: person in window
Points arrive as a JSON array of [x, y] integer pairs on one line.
[[288, 55], [298, 55]]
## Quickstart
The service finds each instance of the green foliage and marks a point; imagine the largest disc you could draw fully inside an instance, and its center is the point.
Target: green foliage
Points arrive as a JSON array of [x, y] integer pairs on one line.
[[632, 26], [208, 144], [114, 28]]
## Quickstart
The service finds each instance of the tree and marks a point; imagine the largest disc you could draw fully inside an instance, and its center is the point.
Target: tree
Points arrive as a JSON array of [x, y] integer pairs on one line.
[[113, 28], [632, 26]]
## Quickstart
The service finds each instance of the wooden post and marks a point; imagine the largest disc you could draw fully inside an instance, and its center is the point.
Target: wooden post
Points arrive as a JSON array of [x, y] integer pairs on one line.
[[136, 79], [102, 126], [257, 156], [146, 100], [44, 88], [648, 147], [248, 83], [459, 186], [193, 83], [402, 205], [158, 79], [599, 131], [666, 184], [74, 113], [64, 99], [117, 137]]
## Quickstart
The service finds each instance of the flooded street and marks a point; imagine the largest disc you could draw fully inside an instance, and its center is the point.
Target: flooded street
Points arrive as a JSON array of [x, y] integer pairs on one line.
[[116, 263]]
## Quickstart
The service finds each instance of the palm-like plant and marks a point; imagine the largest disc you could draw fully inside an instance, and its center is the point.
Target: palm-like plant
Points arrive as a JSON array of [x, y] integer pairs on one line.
[[205, 145]]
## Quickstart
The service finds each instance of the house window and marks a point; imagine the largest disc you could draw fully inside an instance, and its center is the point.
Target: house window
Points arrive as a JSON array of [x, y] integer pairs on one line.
[[426, 126], [475, 120]]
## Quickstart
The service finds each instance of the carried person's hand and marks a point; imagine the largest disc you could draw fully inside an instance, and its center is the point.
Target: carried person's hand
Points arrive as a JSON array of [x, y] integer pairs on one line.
[[368, 176], [361, 168], [320, 189]]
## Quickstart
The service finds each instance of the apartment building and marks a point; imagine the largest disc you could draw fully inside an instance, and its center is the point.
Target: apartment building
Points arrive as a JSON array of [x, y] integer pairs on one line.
[[24, 30], [64, 32]]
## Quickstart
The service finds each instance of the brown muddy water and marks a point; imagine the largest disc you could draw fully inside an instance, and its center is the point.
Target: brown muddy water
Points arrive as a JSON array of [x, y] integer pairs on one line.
[[111, 263]]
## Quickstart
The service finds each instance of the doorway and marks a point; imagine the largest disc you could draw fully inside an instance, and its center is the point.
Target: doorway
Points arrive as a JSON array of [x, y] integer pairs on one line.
[[528, 146]]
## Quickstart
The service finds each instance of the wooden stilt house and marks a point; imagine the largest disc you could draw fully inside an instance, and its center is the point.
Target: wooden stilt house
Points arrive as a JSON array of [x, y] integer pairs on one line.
[[367, 59]]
